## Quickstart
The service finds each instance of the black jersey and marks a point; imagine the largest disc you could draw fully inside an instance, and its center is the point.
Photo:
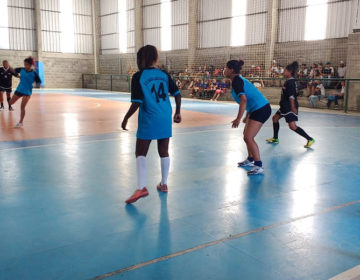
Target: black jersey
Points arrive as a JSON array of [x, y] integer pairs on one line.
[[288, 92], [5, 78]]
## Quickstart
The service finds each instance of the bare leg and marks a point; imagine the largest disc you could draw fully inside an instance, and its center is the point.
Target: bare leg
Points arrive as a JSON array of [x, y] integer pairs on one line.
[[251, 130]]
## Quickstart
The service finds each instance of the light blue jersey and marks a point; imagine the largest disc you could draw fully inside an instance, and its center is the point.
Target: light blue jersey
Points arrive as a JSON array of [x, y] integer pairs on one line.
[[27, 79], [255, 99], [151, 87]]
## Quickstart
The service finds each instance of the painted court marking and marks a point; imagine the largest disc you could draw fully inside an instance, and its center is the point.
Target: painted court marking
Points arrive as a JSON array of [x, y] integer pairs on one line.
[[351, 274], [225, 239]]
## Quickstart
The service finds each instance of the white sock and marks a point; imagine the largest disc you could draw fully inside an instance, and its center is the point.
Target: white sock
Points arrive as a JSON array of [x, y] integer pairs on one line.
[[141, 171], [165, 166]]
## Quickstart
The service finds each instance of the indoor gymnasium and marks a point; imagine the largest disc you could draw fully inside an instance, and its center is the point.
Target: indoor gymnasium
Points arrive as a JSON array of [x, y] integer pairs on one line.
[[180, 139]]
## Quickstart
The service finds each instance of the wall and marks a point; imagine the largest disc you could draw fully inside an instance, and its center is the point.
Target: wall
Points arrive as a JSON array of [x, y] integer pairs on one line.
[[61, 70]]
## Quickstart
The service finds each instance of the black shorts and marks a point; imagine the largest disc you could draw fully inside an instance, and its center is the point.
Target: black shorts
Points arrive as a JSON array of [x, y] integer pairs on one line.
[[19, 94], [289, 116], [7, 90], [262, 114]]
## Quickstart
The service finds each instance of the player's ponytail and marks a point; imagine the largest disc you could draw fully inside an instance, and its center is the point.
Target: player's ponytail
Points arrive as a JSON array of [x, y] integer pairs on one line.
[[30, 60], [235, 65], [293, 68], [146, 56]]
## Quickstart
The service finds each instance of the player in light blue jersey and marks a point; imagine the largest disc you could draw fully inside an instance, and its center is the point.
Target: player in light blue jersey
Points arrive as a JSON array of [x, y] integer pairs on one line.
[[150, 88], [258, 112], [27, 77]]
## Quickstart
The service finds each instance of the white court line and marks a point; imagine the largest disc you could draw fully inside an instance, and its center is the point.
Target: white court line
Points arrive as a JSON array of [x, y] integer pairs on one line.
[[133, 133], [222, 240], [74, 138], [351, 274]]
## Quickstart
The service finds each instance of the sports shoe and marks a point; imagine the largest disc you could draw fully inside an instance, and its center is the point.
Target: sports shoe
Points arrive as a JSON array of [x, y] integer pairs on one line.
[[256, 170], [19, 125], [137, 195], [245, 163], [162, 188], [309, 143], [273, 141]]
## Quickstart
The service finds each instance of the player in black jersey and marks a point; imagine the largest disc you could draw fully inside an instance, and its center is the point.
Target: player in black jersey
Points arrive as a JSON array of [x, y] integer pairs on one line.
[[289, 107], [6, 73]]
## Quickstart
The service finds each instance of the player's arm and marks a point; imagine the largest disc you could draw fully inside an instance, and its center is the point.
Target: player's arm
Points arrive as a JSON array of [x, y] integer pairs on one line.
[[246, 117], [174, 91], [137, 97], [17, 72], [242, 106], [292, 93], [133, 108], [37, 80]]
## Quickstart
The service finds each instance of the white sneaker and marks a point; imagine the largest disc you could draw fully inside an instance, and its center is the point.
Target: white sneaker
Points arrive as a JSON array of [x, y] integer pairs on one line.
[[245, 163], [256, 170], [19, 125]]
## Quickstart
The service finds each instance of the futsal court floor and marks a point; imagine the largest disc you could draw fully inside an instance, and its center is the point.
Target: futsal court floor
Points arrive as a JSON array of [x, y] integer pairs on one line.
[[65, 176]]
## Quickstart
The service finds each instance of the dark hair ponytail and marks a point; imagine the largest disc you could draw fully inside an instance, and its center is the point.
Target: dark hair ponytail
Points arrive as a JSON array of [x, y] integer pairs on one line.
[[30, 60], [146, 56], [293, 68], [235, 65]]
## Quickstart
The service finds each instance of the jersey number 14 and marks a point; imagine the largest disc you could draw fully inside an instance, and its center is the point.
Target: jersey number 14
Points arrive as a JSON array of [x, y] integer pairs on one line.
[[160, 93]]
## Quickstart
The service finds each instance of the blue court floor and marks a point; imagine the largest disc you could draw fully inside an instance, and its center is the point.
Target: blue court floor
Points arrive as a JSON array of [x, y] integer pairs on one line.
[[63, 216]]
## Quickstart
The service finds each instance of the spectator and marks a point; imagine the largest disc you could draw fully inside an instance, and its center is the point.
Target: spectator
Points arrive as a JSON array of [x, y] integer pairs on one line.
[[314, 67], [337, 96], [328, 73], [302, 74], [312, 84], [341, 71], [318, 94]]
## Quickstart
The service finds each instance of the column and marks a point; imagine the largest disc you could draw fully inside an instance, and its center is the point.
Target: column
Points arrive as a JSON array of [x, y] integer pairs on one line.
[[272, 32], [193, 34], [95, 6], [38, 30], [139, 35]]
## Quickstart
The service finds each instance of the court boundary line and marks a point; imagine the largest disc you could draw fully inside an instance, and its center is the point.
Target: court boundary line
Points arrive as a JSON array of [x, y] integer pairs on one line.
[[77, 137], [221, 240]]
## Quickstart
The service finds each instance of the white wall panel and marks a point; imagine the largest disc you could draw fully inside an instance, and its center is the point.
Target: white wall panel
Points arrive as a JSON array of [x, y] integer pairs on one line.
[[215, 33], [256, 29], [83, 24], [179, 36], [151, 16], [22, 39], [180, 12], [288, 30], [339, 20], [50, 5], [21, 18], [108, 7], [83, 43], [82, 7], [109, 24], [131, 20], [292, 3], [257, 6], [152, 37], [110, 42], [51, 41], [50, 21], [21, 3], [214, 9], [151, 2]]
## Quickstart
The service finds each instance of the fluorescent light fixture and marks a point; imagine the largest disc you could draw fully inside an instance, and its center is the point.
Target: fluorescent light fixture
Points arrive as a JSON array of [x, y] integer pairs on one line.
[[67, 26], [122, 25], [316, 19], [165, 17], [4, 25], [238, 22]]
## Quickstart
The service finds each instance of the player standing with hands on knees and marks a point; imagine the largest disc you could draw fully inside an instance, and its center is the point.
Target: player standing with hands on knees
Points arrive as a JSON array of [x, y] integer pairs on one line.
[[150, 88], [289, 107], [27, 77], [258, 112]]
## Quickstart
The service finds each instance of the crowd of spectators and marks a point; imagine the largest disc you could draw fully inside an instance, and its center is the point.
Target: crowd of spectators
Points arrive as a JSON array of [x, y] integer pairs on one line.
[[313, 82]]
